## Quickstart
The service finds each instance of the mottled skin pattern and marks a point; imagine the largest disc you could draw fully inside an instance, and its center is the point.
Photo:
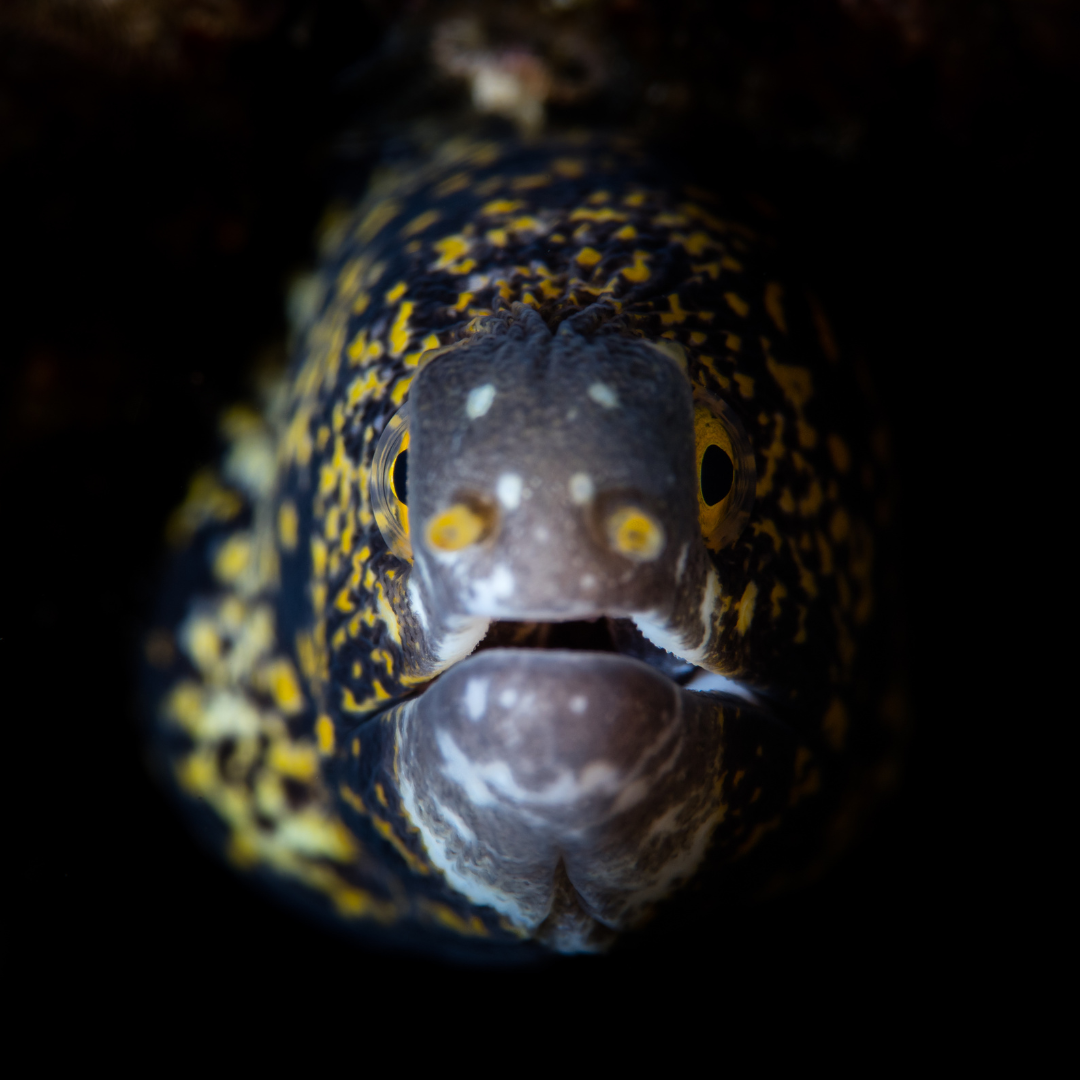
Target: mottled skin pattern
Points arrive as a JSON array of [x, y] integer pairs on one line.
[[281, 643]]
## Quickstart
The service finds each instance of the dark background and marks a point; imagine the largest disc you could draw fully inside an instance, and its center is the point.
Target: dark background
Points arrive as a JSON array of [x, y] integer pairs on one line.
[[162, 180]]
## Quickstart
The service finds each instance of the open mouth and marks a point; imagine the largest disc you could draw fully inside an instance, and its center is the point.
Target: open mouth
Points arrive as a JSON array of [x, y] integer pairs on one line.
[[601, 635], [608, 636]]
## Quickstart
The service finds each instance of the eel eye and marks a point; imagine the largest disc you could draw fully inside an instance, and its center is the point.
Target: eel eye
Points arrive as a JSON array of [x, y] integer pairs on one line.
[[389, 484], [727, 476]]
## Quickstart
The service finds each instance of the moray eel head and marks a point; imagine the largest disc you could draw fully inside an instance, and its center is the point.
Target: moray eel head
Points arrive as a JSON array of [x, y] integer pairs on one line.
[[552, 478]]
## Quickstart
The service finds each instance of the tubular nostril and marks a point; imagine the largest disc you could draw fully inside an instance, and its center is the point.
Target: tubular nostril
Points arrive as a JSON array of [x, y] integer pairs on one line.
[[455, 528], [634, 533]]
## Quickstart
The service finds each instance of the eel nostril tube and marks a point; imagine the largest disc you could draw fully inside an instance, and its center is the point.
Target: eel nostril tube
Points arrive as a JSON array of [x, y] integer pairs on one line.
[[634, 533]]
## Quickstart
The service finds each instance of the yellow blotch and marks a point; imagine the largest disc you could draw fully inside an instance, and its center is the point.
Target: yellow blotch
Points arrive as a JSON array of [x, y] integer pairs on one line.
[[396, 293], [733, 342], [501, 206], [824, 553], [745, 607], [839, 452], [527, 183], [811, 503], [293, 759], [779, 591], [355, 351], [351, 705], [318, 557], [401, 388], [677, 314], [636, 199], [606, 214], [627, 232], [399, 332], [824, 331], [279, 677], [730, 263], [386, 613], [638, 272], [568, 168], [449, 918], [243, 849], [786, 502], [697, 337], [807, 777], [498, 237], [420, 223], [451, 185], [774, 295], [796, 382], [348, 794], [232, 558], [450, 249], [525, 224], [710, 363], [598, 198], [835, 724], [840, 525], [588, 256], [807, 581], [768, 527], [379, 216], [737, 304], [745, 384], [697, 243]]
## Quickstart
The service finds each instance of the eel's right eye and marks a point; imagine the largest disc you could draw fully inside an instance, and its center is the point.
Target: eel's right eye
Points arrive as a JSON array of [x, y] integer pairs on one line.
[[727, 475], [389, 484]]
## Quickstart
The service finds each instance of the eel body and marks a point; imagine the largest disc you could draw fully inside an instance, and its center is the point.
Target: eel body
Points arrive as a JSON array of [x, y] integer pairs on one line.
[[548, 584]]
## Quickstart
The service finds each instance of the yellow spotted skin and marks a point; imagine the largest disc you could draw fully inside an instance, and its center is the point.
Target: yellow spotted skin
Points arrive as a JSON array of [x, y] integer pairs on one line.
[[279, 636]]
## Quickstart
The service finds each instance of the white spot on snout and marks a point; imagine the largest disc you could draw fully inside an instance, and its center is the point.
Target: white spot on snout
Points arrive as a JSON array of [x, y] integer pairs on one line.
[[603, 395], [578, 704], [476, 698], [487, 592], [541, 534], [479, 401], [588, 582], [581, 488], [508, 488], [508, 697]]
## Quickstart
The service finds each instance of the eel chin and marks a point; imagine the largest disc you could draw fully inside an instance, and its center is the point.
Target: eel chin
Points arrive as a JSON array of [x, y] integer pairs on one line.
[[563, 775]]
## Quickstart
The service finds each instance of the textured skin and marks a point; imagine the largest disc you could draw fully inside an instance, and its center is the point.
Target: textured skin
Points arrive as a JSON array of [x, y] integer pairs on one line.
[[283, 638]]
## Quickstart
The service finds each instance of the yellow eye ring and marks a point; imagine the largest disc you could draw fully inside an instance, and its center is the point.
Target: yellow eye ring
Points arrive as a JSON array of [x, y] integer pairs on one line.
[[726, 473], [391, 512]]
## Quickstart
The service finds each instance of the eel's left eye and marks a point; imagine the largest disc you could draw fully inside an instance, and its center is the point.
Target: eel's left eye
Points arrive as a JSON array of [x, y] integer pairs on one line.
[[726, 472], [389, 484]]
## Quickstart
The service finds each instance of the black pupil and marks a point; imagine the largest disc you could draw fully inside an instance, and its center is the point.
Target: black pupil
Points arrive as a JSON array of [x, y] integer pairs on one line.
[[401, 477], [717, 474]]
